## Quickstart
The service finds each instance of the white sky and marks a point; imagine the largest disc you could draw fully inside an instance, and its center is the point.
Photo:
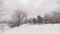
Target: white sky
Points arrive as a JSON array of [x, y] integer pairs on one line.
[[32, 7]]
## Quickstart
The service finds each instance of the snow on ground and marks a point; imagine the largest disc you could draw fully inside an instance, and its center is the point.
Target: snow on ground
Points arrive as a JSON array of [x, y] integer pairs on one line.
[[34, 29], [3, 27]]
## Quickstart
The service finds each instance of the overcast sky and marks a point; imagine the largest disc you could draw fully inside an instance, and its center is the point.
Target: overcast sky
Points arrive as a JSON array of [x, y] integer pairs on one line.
[[32, 7]]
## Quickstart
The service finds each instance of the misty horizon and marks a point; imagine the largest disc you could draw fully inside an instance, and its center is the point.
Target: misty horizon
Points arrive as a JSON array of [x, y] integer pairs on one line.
[[31, 7]]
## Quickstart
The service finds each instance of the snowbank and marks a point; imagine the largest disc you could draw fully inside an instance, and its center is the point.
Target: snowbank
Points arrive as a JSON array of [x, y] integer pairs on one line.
[[35, 29]]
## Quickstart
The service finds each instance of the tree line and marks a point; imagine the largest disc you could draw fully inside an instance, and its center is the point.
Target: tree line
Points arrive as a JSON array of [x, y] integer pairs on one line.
[[21, 17]]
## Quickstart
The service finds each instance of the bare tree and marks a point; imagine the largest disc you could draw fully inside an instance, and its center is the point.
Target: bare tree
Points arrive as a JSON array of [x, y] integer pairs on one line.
[[19, 17], [54, 16]]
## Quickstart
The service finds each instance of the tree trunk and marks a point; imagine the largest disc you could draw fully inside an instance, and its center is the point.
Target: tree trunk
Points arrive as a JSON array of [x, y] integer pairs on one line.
[[18, 24]]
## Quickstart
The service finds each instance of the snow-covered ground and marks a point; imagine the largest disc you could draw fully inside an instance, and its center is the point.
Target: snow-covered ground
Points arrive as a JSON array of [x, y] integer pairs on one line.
[[3, 27], [34, 29]]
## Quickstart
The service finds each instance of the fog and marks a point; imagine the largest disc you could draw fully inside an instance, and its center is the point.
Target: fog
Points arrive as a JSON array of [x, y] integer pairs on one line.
[[32, 7]]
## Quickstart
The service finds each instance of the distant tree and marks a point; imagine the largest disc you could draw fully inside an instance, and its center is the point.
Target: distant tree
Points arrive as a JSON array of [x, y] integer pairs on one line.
[[54, 16], [19, 17], [26, 21], [39, 19], [11, 24], [34, 21], [30, 20], [47, 18]]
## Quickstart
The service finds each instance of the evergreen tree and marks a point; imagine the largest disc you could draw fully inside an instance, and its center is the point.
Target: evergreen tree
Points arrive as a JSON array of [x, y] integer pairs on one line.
[[34, 21], [39, 19]]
